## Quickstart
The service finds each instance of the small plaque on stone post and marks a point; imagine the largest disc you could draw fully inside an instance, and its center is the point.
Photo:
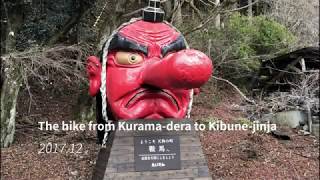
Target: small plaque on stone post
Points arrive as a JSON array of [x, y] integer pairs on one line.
[[157, 153]]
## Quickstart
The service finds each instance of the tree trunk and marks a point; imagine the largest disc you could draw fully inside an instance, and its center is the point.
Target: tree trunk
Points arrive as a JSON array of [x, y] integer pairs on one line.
[[250, 14], [9, 94], [217, 20], [10, 81], [167, 6], [177, 15]]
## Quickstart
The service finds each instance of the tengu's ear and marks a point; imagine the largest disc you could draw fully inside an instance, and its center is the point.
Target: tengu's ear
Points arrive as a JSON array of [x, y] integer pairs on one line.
[[196, 91], [94, 74]]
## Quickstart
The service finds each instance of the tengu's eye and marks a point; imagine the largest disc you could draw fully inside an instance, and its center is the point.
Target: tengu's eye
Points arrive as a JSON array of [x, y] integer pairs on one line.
[[128, 58]]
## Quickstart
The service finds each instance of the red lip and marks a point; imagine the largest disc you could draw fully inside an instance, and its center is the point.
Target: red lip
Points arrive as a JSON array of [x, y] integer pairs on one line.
[[155, 93]]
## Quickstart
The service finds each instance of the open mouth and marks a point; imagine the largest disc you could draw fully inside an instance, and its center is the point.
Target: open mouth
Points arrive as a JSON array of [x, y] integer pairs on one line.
[[156, 92]]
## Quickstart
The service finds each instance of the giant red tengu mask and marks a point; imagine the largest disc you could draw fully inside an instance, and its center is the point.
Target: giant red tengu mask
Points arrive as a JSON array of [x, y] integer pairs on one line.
[[147, 71]]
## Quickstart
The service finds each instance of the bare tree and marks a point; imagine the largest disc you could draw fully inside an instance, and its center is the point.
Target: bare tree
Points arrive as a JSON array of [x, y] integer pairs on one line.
[[177, 13], [301, 17], [39, 64]]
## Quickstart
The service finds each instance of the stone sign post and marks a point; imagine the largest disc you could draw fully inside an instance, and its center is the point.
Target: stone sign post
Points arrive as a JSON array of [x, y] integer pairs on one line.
[[139, 155]]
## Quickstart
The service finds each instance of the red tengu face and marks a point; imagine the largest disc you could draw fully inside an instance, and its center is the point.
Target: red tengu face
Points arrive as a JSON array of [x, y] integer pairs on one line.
[[131, 98], [128, 94], [150, 73]]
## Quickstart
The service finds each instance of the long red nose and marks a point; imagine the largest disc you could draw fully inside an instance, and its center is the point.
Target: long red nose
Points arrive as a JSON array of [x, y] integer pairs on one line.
[[185, 69]]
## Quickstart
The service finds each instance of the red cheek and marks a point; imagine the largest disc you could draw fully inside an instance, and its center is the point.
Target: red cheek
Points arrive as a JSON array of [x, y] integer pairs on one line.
[[121, 81]]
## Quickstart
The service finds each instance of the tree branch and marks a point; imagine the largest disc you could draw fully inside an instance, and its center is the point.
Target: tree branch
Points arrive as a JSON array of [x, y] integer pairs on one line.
[[236, 88], [203, 23], [132, 13], [73, 20], [214, 14], [196, 9], [240, 8]]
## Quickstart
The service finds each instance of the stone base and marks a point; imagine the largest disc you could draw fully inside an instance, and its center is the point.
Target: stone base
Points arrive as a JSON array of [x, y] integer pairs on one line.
[[121, 164]]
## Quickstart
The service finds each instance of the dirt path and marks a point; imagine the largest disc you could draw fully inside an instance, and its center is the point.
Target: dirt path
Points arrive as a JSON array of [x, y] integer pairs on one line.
[[247, 155], [23, 160], [231, 155]]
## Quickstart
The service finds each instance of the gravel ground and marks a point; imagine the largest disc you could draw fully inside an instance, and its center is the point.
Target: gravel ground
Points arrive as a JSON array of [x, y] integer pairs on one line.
[[230, 154]]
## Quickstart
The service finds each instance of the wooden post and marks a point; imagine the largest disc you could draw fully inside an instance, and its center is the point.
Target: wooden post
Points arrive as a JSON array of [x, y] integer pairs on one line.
[[303, 65], [309, 117]]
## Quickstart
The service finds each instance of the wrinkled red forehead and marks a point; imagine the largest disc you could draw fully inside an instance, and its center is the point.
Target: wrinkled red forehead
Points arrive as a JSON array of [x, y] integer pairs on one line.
[[147, 33]]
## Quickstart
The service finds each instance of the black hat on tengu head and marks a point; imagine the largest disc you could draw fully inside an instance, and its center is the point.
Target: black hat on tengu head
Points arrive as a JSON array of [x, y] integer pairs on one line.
[[153, 12]]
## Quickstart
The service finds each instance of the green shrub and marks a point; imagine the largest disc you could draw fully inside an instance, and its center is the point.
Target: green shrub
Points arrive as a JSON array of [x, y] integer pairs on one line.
[[238, 48], [251, 37]]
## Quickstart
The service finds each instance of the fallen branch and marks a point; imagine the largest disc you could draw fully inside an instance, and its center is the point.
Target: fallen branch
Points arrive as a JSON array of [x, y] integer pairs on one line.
[[236, 88]]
